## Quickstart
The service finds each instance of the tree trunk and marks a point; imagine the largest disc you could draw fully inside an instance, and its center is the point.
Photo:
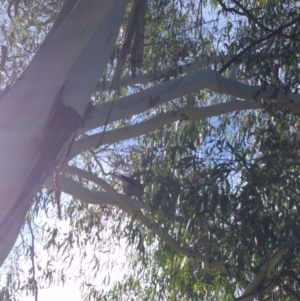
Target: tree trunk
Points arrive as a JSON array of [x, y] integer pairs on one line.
[[41, 112]]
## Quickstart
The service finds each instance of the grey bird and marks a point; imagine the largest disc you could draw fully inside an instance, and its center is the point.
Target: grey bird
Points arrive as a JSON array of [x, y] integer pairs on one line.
[[131, 186]]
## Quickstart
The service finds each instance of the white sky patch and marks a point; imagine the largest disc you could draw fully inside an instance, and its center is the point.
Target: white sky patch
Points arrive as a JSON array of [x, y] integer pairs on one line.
[[68, 292]]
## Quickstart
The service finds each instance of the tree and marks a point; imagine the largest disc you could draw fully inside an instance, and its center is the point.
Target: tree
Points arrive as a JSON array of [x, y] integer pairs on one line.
[[196, 111]]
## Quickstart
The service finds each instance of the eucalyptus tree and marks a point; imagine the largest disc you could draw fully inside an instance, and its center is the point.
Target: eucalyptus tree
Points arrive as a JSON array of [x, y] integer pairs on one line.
[[168, 127]]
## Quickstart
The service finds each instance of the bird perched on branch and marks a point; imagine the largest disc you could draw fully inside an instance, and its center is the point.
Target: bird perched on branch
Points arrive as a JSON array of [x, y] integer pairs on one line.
[[131, 186]]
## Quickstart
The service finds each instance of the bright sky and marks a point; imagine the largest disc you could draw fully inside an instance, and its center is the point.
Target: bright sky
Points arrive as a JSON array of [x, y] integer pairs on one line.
[[69, 292], [112, 263]]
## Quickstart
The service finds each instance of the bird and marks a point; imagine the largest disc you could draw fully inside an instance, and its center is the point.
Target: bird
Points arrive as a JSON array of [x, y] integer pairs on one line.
[[131, 186]]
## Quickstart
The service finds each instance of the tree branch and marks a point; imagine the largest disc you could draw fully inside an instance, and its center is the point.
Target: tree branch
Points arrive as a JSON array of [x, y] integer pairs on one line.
[[256, 42], [261, 277], [145, 78], [85, 195], [132, 209], [261, 25], [128, 106], [188, 114]]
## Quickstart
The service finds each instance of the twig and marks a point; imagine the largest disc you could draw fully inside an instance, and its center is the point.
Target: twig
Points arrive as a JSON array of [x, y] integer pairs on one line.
[[239, 55], [33, 261]]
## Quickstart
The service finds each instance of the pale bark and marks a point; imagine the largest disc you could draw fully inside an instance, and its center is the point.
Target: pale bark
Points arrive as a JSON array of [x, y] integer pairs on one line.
[[132, 208], [144, 127], [204, 79], [262, 277], [145, 78], [48, 90], [88, 196]]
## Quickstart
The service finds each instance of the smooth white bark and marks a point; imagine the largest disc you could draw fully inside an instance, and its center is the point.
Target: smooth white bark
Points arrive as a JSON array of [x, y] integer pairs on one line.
[[262, 276], [204, 79], [88, 196], [25, 108], [145, 78], [133, 207], [84, 75], [144, 127]]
